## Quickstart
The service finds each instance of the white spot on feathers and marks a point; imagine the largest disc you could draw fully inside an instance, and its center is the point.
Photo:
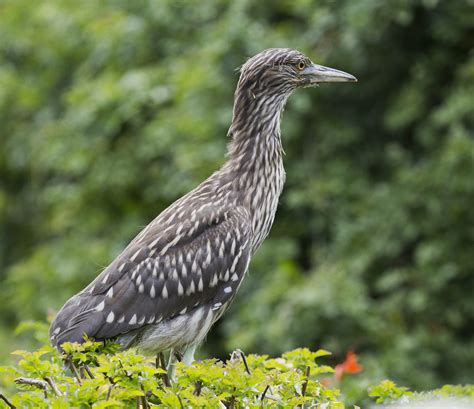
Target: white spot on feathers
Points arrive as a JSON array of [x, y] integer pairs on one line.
[[135, 255], [170, 244], [191, 289], [155, 242], [234, 264], [100, 306], [208, 255]]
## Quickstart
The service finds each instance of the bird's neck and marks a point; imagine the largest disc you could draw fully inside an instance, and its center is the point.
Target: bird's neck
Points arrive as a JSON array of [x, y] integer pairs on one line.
[[255, 164], [255, 130]]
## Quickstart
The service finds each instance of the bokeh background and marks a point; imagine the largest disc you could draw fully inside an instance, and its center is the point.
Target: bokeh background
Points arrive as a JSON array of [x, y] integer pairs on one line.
[[111, 110]]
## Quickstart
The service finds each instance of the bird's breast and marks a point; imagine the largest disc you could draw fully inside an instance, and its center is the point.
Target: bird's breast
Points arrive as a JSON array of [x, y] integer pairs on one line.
[[263, 200]]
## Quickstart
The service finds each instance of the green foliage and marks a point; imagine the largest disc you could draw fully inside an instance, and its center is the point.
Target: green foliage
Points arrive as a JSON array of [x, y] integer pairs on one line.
[[99, 375], [102, 377], [111, 110], [388, 392], [456, 390]]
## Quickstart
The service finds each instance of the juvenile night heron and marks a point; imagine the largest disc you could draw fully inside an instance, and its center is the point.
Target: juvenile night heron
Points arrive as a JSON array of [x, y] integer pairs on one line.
[[181, 273]]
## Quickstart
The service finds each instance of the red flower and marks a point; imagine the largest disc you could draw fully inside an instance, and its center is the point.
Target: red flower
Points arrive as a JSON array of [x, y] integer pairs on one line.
[[350, 365]]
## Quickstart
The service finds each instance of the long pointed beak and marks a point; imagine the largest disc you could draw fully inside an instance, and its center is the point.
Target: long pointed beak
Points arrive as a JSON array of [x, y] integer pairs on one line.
[[315, 74]]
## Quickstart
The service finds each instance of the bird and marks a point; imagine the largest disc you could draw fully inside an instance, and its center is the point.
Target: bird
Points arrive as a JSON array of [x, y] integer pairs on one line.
[[179, 275]]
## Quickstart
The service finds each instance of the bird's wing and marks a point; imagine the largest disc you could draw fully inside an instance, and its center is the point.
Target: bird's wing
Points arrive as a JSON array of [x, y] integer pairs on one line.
[[170, 268]]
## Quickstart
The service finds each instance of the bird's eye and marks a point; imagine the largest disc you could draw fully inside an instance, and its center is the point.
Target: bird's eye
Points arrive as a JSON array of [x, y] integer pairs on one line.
[[301, 65]]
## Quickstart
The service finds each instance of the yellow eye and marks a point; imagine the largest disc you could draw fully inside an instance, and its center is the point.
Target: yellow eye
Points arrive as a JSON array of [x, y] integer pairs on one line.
[[301, 65]]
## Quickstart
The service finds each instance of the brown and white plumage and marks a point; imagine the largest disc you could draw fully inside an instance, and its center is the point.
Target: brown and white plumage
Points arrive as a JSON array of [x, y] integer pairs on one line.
[[178, 276]]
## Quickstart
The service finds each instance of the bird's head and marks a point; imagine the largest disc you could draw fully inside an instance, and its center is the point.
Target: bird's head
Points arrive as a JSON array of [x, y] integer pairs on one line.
[[278, 71]]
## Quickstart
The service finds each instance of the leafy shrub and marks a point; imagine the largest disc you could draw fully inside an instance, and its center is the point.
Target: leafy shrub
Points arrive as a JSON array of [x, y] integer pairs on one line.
[[99, 375], [103, 377], [448, 396]]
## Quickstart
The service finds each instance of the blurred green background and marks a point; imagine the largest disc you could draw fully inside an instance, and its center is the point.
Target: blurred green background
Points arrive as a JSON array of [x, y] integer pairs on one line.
[[111, 110]]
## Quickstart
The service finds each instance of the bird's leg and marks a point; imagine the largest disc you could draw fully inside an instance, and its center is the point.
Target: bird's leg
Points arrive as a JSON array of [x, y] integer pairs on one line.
[[178, 355], [160, 363], [171, 368], [188, 356]]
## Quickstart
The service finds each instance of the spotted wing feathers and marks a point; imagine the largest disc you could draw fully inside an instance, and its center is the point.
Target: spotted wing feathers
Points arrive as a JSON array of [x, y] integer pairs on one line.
[[162, 273]]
